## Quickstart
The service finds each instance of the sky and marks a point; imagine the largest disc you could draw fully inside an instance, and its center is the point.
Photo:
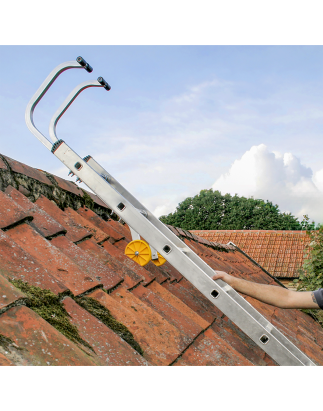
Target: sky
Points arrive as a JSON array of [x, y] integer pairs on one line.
[[179, 119]]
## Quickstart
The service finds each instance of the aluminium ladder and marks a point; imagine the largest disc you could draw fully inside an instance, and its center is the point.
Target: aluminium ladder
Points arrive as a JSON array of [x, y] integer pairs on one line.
[[163, 244]]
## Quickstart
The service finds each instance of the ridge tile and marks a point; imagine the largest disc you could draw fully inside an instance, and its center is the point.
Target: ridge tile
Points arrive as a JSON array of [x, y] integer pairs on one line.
[[27, 171]]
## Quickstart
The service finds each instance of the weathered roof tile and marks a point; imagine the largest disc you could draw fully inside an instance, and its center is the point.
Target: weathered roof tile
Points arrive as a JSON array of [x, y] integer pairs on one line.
[[68, 186], [11, 213], [105, 226], [185, 325], [16, 263], [75, 232], [210, 349], [95, 269], [60, 266], [9, 293], [42, 222], [131, 278], [28, 171], [108, 346], [38, 342], [160, 341]]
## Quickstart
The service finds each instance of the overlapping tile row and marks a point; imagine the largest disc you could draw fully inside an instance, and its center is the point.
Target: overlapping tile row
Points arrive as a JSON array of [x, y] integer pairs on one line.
[[79, 256], [281, 253]]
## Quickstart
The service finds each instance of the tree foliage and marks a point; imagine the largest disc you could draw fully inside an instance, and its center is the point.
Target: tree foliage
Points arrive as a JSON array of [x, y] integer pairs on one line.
[[210, 210], [311, 273]]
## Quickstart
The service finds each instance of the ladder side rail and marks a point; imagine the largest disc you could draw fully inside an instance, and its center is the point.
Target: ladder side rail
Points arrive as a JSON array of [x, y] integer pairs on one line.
[[202, 281]]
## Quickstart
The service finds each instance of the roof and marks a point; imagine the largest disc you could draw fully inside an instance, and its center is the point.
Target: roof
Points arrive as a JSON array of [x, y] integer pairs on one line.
[[69, 295], [280, 252]]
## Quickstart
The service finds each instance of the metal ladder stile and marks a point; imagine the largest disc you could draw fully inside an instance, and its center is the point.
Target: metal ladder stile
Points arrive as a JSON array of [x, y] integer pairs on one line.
[[160, 239]]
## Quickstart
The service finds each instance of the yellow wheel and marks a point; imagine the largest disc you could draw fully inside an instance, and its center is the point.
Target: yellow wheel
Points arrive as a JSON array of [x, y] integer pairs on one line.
[[161, 260], [139, 251]]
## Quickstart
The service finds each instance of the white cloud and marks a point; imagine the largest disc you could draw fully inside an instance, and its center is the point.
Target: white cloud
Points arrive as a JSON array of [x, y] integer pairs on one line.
[[280, 178]]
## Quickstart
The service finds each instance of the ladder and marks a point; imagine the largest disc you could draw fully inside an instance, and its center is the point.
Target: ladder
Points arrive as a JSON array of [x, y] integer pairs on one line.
[[163, 244]]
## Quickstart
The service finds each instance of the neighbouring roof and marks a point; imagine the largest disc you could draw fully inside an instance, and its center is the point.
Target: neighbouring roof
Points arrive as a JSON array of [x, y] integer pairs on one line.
[[281, 253], [54, 236]]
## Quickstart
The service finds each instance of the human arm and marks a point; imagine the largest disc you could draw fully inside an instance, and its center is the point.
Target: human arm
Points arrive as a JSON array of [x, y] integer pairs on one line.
[[270, 294]]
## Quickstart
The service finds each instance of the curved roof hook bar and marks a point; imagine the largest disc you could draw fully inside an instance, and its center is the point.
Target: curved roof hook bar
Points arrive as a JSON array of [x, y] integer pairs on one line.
[[100, 82], [29, 113]]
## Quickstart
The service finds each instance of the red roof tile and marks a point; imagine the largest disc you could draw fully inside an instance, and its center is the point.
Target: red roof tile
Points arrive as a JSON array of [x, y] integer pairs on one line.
[[38, 342], [42, 222], [11, 213], [9, 294], [108, 346], [75, 232], [185, 325], [273, 243], [98, 235], [3, 165], [16, 263], [178, 304], [60, 266], [160, 341], [68, 186], [99, 223], [5, 361], [92, 266], [28, 171], [210, 349], [131, 278], [96, 199]]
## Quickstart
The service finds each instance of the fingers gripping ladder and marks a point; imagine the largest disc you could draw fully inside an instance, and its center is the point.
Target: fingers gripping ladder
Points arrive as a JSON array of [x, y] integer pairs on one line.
[[143, 223]]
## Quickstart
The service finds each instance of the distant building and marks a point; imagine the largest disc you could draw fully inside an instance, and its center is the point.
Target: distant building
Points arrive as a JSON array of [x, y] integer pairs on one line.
[[281, 253]]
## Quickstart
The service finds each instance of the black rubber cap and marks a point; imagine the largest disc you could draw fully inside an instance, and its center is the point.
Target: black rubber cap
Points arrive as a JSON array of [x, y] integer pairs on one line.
[[104, 83], [84, 64]]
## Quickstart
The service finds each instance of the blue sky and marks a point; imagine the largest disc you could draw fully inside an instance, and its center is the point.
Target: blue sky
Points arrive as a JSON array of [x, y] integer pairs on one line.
[[178, 119]]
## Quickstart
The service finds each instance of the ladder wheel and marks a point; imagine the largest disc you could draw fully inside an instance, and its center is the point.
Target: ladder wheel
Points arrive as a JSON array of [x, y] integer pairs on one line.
[[161, 260], [139, 251]]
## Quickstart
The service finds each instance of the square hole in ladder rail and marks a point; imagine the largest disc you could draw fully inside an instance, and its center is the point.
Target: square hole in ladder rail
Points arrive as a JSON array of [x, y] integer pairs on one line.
[[167, 249], [215, 293], [78, 166], [264, 339], [121, 206]]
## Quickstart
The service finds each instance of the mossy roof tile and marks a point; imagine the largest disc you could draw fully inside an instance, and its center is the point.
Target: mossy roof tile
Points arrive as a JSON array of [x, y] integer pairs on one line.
[[42, 222], [75, 232], [37, 342], [108, 346], [60, 266]]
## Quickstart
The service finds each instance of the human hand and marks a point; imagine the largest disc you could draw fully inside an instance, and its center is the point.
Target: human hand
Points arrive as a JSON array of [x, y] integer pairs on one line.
[[223, 276]]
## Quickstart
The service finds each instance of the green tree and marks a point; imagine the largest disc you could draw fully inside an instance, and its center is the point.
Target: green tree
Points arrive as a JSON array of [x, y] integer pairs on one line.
[[210, 210], [311, 273]]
